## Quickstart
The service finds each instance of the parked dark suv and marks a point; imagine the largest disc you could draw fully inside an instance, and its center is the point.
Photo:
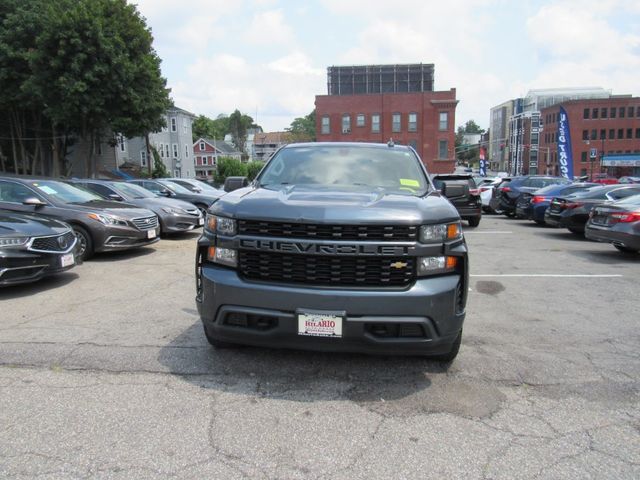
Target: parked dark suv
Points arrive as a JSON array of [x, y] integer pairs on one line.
[[99, 224], [469, 203], [336, 247], [508, 192]]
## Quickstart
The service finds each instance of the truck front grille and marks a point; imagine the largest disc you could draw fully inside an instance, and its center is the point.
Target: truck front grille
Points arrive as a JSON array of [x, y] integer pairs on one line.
[[328, 232], [374, 271]]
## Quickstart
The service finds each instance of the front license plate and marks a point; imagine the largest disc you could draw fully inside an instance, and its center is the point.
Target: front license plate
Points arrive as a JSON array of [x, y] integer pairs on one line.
[[151, 234], [67, 260], [318, 324], [201, 221]]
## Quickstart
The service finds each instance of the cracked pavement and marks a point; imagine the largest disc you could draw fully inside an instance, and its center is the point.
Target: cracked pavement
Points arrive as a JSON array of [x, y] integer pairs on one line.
[[105, 373]]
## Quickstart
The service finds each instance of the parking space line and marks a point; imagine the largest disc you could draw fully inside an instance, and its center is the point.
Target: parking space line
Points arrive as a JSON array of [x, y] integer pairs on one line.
[[489, 231], [547, 275]]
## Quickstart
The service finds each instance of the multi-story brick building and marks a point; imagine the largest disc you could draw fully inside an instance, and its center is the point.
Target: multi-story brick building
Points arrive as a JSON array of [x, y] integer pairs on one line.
[[605, 136], [377, 103]]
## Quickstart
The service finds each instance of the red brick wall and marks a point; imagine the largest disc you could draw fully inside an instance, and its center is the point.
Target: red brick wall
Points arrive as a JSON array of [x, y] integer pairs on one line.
[[577, 124], [426, 105]]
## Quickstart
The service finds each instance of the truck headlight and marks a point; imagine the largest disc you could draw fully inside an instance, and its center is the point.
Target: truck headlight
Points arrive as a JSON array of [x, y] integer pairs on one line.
[[440, 232], [221, 225], [436, 265], [223, 256]]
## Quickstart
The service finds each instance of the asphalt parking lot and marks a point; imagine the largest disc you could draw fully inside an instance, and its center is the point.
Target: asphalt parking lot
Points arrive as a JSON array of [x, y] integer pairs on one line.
[[105, 373]]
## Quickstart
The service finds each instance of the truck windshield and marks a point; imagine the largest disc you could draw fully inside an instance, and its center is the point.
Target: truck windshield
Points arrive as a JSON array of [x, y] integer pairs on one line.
[[394, 169]]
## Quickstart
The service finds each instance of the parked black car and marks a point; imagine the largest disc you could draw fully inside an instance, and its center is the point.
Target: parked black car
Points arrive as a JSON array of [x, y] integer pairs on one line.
[[533, 206], [469, 204], [572, 211], [100, 225], [618, 223], [509, 191], [174, 215], [166, 188], [33, 247]]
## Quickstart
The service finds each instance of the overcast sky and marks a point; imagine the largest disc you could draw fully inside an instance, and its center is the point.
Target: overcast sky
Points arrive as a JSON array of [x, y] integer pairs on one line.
[[268, 58]]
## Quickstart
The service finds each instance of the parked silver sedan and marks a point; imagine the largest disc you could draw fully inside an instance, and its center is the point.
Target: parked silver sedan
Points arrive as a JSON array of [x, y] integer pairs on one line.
[[617, 223]]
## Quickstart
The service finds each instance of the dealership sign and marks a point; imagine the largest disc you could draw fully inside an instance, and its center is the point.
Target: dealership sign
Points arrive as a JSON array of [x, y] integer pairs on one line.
[[565, 157]]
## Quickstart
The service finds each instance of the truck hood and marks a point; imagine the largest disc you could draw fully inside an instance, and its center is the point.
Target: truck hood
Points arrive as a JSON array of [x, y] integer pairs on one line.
[[352, 204]]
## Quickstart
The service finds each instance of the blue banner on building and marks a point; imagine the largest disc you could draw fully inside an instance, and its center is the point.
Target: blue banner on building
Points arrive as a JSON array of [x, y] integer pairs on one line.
[[565, 157]]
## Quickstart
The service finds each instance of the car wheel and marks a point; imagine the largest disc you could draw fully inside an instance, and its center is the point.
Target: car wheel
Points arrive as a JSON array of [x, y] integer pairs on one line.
[[575, 231], [624, 249], [474, 221], [86, 243], [453, 353], [214, 342], [542, 223]]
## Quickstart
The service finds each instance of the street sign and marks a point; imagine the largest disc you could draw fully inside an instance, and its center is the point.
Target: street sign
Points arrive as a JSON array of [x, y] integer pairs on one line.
[[593, 153]]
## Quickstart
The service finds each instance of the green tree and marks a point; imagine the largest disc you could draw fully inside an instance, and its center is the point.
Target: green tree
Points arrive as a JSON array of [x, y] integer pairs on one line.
[[229, 167], [253, 168], [205, 127], [303, 129], [159, 168], [467, 153]]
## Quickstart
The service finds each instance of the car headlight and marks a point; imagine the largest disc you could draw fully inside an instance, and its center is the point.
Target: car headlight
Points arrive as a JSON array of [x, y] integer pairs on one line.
[[173, 210], [221, 225], [108, 219], [436, 265], [440, 232], [223, 256], [8, 242]]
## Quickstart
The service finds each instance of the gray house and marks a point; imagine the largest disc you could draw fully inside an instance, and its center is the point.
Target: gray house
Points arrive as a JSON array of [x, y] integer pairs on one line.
[[174, 144]]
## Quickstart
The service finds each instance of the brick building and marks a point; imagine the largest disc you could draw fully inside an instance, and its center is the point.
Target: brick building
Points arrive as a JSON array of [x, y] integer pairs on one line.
[[377, 103], [611, 126]]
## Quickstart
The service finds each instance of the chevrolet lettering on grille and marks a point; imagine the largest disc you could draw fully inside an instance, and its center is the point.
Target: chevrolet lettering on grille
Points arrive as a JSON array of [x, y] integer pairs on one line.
[[324, 249]]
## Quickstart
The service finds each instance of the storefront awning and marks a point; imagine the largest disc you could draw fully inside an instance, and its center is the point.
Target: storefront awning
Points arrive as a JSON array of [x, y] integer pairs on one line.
[[627, 160]]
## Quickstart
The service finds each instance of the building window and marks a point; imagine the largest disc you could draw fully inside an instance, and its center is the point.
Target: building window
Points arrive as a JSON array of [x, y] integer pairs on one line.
[[202, 146], [346, 123], [143, 158], [413, 122], [630, 112], [174, 124], [603, 134], [620, 134], [395, 122], [123, 143], [613, 112], [375, 123], [638, 111], [594, 114], [604, 112], [443, 123], [629, 133], [621, 112], [585, 134], [612, 134], [594, 134], [160, 149], [360, 120], [186, 151], [185, 125], [166, 150], [175, 150], [585, 114], [326, 125], [443, 147], [637, 132], [583, 157], [176, 173], [583, 172]]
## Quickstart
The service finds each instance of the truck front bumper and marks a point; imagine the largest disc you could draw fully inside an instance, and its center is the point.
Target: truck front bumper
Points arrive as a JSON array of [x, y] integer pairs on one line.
[[423, 319]]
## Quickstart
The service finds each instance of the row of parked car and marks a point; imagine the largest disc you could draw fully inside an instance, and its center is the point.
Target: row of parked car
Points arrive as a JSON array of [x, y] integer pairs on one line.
[[48, 226], [603, 212]]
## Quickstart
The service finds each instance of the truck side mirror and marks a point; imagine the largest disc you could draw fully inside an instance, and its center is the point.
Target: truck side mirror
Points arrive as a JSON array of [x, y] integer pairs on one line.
[[234, 183]]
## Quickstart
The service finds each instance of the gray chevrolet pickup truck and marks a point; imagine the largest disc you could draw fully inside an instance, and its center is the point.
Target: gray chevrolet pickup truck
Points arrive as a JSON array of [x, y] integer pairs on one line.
[[336, 247]]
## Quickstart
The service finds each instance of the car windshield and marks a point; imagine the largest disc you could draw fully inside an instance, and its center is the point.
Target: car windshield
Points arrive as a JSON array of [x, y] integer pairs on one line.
[[630, 202], [205, 187], [393, 169], [64, 192], [131, 190], [174, 187]]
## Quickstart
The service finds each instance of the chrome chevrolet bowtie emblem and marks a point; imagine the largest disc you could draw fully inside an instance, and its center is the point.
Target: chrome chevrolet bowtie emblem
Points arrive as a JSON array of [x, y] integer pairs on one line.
[[398, 265]]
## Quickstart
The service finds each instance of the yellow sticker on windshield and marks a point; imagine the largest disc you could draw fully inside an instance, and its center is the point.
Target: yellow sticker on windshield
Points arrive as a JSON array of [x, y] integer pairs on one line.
[[407, 182]]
